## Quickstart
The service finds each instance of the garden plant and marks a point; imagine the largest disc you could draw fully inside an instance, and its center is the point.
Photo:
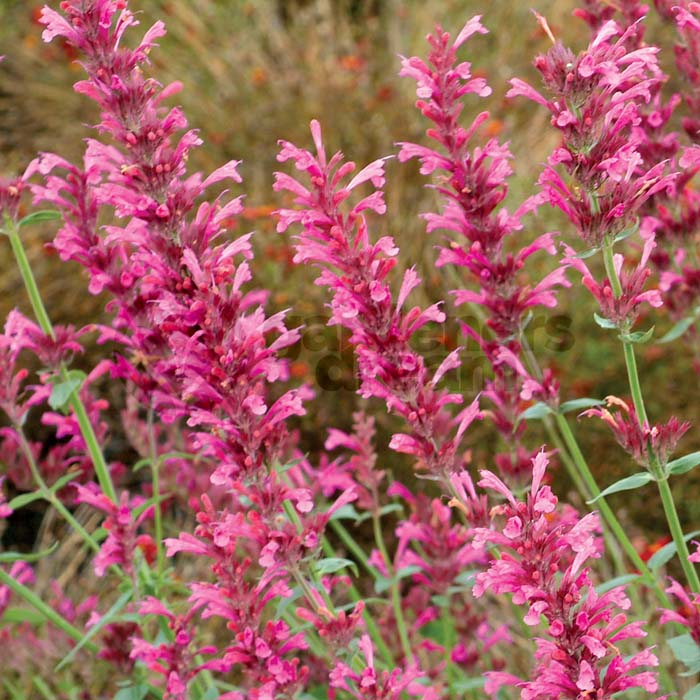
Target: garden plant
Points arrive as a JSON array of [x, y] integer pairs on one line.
[[231, 535]]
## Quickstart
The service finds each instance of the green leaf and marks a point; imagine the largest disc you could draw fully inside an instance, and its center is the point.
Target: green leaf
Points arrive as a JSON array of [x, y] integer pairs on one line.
[[211, 694], [7, 557], [24, 499], [578, 404], [15, 615], [625, 233], [535, 412], [66, 479], [61, 391], [678, 330], [39, 216], [615, 582], [389, 508], [383, 584], [667, 552], [638, 337], [123, 599], [693, 693], [132, 692], [346, 512], [687, 651], [626, 484], [683, 464], [590, 252], [333, 564], [604, 322], [468, 684]]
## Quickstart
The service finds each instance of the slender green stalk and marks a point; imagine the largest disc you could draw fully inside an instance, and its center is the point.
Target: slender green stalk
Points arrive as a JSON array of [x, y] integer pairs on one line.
[[640, 409], [348, 540], [155, 481], [607, 513], [42, 317], [51, 497], [371, 625], [395, 589], [48, 612]]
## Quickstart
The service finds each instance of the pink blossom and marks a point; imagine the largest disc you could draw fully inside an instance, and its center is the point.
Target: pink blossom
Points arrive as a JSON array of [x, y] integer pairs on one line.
[[541, 564]]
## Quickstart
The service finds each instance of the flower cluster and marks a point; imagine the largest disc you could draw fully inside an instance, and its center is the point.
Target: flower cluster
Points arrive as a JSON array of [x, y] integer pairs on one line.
[[542, 564], [640, 440], [595, 98], [473, 184], [356, 271]]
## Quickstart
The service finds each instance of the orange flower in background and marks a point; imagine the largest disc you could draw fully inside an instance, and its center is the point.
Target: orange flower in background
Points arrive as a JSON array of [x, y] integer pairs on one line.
[[352, 62]]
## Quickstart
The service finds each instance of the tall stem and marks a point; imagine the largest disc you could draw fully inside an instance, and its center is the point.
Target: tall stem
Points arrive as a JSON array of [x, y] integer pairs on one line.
[[42, 317], [657, 471], [394, 588], [48, 612]]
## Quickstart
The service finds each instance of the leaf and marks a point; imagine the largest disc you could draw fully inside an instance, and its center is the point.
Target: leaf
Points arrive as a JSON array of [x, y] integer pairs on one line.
[[626, 484], [590, 252], [39, 216], [346, 512], [535, 412], [24, 499], [61, 391], [123, 599], [66, 479], [678, 330], [638, 337], [687, 651], [578, 404], [132, 692], [15, 615], [383, 584], [693, 693], [667, 552], [333, 564], [468, 684], [615, 582], [604, 322], [625, 233], [6, 557], [389, 508], [683, 464]]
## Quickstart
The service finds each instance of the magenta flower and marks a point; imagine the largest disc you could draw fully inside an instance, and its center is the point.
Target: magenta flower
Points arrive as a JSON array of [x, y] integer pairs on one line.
[[622, 310], [640, 441], [356, 271], [371, 684], [595, 103], [541, 564], [175, 660], [472, 180], [121, 523]]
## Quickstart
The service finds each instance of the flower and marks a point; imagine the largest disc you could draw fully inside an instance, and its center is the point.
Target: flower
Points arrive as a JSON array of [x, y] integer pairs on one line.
[[542, 564], [621, 309], [640, 441], [356, 272]]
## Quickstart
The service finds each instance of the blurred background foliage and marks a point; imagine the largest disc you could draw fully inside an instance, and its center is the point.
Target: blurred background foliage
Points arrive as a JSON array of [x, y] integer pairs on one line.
[[258, 71]]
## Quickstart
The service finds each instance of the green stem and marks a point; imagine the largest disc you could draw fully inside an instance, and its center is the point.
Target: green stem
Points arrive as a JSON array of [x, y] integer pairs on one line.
[[48, 612], [42, 317], [372, 628], [155, 481], [354, 548], [677, 533], [640, 409], [51, 497], [395, 590]]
